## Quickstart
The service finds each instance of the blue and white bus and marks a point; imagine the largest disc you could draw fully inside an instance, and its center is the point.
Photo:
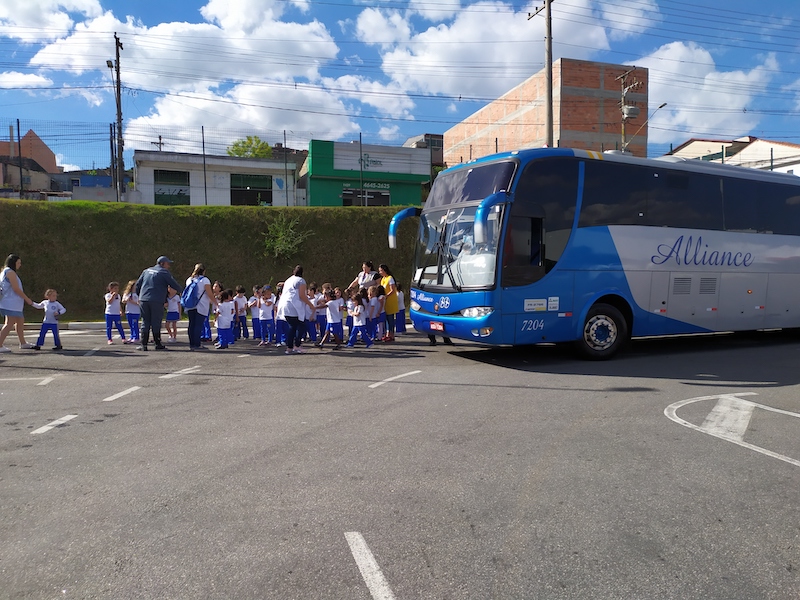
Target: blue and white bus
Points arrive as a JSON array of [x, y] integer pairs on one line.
[[560, 245]]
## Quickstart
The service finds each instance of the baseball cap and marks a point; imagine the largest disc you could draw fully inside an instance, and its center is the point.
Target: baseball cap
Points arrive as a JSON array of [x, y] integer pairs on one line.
[[267, 287], [163, 259]]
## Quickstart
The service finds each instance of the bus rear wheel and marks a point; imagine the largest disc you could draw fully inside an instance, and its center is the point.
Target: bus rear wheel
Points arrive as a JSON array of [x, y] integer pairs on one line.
[[604, 333]]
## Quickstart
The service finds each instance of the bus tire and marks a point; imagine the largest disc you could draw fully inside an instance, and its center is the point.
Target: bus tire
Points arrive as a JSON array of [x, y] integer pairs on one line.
[[604, 333]]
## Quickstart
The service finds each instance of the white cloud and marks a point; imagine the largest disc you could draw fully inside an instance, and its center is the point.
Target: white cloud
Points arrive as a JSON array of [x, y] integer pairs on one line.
[[466, 58], [14, 80], [701, 99], [374, 26], [435, 10], [241, 108], [389, 99], [628, 18], [35, 20], [389, 133]]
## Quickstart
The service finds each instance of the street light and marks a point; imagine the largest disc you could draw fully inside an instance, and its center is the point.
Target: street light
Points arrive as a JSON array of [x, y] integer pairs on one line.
[[625, 147]]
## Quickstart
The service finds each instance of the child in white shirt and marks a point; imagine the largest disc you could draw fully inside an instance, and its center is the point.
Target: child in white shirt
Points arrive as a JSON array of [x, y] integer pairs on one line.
[[400, 320], [240, 324], [226, 311], [266, 316], [173, 316], [252, 304], [132, 311], [114, 312], [359, 321], [52, 311], [334, 307]]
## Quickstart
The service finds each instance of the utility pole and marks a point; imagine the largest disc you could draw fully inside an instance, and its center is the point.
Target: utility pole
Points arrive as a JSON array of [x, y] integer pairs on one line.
[[548, 68], [120, 144], [628, 111], [159, 143]]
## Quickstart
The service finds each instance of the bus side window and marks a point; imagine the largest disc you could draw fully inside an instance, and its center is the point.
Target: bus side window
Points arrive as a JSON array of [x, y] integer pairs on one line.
[[523, 251]]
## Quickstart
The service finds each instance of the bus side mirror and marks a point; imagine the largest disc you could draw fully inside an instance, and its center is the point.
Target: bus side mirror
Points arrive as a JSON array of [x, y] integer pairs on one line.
[[395, 223], [482, 215]]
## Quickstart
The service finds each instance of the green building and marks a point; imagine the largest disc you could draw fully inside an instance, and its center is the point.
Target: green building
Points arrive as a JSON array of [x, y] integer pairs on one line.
[[354, 174]]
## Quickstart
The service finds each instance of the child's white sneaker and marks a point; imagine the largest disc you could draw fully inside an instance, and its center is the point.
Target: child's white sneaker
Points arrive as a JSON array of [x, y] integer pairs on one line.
[[5, 349], [26, 346]]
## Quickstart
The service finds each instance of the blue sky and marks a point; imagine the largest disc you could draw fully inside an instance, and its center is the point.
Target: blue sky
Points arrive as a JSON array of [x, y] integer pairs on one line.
[[388, 70]]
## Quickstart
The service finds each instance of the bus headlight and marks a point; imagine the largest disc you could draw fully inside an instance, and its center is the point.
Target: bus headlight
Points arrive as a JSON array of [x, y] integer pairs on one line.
[[415, 305], [477, 311]]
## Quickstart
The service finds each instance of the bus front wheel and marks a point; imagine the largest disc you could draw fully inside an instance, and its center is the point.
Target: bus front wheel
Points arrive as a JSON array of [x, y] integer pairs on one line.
[[604, 333]]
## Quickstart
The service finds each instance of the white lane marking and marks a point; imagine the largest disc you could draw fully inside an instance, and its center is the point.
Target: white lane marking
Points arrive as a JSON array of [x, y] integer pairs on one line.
[[46, 380], [26, 379], [242, 356], [55, 423], [122, 393], [370, 571], [185, 371], [729, 418], [672, 409], [380, 383], [92, 351]]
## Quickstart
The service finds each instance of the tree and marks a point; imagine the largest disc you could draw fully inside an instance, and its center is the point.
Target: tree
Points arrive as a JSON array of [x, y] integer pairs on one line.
[[251, 147]]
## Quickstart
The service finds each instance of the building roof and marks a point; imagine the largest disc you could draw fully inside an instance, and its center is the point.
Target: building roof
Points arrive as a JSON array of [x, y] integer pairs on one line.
[[27, 163]]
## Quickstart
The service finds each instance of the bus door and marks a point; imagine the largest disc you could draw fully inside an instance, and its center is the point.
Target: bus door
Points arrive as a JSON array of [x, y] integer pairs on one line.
[[522, 264]]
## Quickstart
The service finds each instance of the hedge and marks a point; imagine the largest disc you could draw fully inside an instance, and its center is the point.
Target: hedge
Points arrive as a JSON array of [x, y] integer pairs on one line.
[[77, 248]]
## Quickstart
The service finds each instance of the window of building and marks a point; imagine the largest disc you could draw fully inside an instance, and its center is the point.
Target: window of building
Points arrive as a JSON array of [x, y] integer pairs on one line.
[[171, 187], [251, 190]]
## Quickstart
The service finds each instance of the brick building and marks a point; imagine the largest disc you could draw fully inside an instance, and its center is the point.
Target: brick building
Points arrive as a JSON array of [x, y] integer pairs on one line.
[[32, 147], [586, 113]]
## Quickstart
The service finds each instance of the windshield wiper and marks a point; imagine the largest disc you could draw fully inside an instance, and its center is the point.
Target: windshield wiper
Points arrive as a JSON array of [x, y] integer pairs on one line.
[[440, 249]]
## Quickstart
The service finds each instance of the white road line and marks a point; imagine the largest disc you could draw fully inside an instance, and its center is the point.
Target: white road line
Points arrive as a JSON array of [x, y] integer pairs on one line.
[[55, 423], [46, 380], [370, 571], [122, 393], [380, 383], [242, 356], [729, 418], [92, 351], [25, 379], [672, 410], [185, 371]]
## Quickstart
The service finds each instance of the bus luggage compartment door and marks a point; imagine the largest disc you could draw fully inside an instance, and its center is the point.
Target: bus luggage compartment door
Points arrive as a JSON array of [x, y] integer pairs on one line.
[[694, 300], [742, 300]]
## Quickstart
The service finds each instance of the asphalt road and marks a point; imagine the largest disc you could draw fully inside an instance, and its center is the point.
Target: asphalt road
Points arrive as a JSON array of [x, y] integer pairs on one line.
[[401, 472]]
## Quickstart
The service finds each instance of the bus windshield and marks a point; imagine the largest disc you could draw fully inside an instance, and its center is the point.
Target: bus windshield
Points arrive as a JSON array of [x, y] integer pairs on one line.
[[446, 256], [470, 184]]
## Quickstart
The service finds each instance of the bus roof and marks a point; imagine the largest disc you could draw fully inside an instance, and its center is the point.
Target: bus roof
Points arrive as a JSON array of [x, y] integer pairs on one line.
[[669, 162]]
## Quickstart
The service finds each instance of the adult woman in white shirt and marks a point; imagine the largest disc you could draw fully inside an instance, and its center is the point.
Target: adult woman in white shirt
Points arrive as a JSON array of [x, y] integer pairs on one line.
[[13, 302], [293, 303], [205, 300], [366, 278]]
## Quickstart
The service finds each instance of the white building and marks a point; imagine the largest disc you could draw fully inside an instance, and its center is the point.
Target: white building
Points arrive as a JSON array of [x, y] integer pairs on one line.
[[175, 178], [748, 151]]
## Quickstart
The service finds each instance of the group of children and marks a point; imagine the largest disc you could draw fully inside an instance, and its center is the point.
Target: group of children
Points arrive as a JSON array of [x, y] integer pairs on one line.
[[130, 300], [362, 313]]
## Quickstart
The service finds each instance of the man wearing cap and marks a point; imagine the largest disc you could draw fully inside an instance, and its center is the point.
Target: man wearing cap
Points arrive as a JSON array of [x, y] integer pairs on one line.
[[153, 286]]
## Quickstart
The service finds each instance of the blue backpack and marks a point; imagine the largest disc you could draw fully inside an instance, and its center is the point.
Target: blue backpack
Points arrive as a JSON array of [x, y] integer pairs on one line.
[[189, 295]]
